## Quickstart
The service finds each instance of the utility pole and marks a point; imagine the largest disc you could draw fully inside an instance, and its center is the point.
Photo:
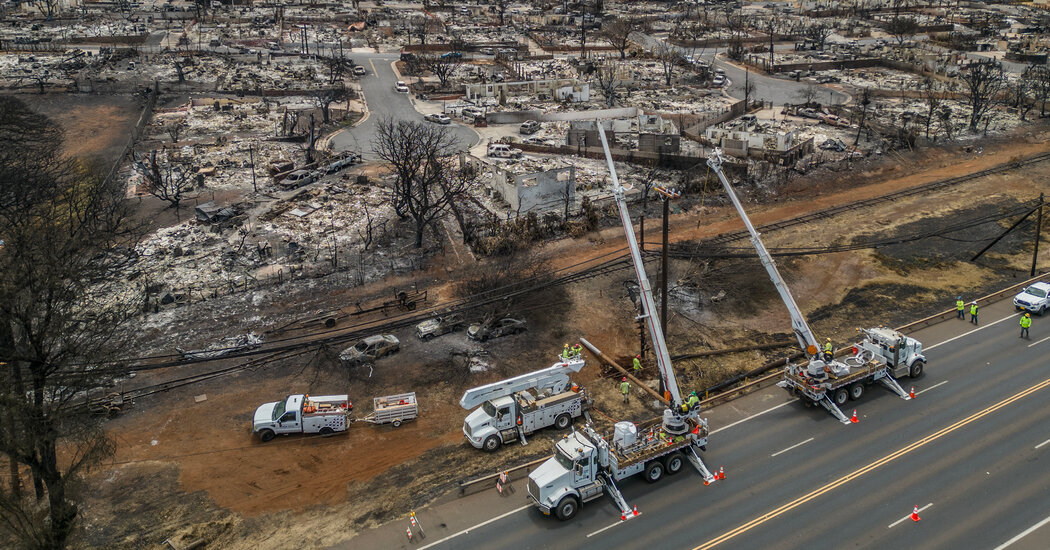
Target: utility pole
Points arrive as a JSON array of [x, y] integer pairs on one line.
[[641, 231], [1038, 227], [668, 194], [251, 158]]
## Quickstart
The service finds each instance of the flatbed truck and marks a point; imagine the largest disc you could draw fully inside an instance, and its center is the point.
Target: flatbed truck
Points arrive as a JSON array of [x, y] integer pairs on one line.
[[587, 464]]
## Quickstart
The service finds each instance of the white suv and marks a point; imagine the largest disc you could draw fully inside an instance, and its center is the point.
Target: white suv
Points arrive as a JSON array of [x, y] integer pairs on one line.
[[502, 150], [1034, 298]]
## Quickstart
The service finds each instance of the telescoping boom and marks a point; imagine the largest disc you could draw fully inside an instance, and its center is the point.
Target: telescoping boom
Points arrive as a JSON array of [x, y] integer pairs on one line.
[[588, 464], [824, 380]]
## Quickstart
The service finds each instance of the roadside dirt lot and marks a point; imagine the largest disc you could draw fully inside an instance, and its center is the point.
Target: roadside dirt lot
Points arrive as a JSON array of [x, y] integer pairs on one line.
[[97, 126], [191, 471]]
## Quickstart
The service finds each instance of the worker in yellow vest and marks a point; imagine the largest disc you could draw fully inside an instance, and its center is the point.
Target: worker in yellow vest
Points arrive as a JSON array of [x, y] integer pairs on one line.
[[1026, 321], [625, 388], [973, 312], [960, 306]]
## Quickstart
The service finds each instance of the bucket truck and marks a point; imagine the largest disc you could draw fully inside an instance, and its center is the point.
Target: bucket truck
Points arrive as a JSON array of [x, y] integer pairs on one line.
[[883, 355], [509, 410], [587, 463]]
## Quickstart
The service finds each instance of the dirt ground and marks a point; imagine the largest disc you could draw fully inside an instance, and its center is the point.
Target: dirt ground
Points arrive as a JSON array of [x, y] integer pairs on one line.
[[191, 471], [96, 126]]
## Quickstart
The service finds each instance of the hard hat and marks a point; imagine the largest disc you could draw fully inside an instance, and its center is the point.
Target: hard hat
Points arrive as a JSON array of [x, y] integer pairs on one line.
[[1027, 315], [692, 392], [828, 339], [566, 345], [958, 297], [624, 379], [637, 356]]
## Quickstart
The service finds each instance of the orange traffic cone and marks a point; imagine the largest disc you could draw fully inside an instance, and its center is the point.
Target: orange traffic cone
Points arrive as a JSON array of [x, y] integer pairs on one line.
[[409, 532], [911, 394], [636, 509], [854, 419], [721, 473], [706, 482], [623, 516], [915, 514]]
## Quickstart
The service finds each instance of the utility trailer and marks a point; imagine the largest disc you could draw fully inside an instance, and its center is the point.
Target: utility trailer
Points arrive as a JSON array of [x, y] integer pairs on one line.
[[393, 409], [587, 464]]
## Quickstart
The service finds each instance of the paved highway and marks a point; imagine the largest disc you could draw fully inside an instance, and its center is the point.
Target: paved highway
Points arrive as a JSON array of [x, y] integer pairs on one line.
[[971, 452], [378, 89]]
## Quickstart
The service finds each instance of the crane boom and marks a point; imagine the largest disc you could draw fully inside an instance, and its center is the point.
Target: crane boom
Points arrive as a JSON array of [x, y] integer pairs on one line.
[[656, 333], [805, 336], [554, 378]]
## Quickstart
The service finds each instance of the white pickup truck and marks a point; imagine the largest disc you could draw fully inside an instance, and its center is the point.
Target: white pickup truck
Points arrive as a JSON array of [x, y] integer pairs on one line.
[[323, 414], [1034, 298]]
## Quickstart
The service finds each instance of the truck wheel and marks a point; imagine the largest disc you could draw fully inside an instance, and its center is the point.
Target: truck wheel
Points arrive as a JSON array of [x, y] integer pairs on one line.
[[325, 430], [916, 369], [266, 435], [491, 443], [841, 396], [562, 421], [654, 471], [567, 508], [673, 463], [856, 390], [396, 423], [426, 337]]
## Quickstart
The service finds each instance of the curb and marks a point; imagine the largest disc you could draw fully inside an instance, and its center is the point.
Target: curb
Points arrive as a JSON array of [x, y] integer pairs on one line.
[[326, 141]]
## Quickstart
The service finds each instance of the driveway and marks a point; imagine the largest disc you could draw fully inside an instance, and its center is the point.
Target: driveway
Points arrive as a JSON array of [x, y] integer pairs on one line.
[[382, 101]]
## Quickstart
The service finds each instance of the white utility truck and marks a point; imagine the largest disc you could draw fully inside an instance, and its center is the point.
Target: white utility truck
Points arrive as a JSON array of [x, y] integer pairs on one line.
[[587, 464], [515, 407], [323, 414], [883, 355]]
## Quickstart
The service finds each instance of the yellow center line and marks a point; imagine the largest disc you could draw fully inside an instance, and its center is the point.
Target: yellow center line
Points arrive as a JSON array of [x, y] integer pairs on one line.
[[870, 467]]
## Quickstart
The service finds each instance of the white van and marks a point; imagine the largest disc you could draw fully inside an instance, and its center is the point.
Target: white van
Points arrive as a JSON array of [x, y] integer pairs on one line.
[[504, 151]]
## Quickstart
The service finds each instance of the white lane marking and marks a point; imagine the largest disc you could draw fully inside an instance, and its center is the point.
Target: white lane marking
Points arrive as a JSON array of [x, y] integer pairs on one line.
[[621, 522], [1043, 443], [1023, 534], [971, 332], [908, 516], [931, 387], [756, 415], [791, 447], [478, 526], [373, 68], [1039, 341]]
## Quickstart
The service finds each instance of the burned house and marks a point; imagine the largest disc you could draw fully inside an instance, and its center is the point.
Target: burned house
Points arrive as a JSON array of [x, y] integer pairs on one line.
[[561, 89], [535, 191], [747, 138]]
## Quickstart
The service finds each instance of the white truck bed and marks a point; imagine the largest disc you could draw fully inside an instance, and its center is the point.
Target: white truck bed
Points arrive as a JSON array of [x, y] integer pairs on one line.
[[325, 411]]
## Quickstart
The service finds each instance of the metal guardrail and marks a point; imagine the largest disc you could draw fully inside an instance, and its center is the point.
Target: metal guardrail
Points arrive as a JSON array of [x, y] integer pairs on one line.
[[765, 379], [512, 474]]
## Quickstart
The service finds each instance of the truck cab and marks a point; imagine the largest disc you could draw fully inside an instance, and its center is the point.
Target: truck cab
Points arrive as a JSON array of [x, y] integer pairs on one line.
[[485, 426], [280, 417], [903, 354], [561, 484]]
